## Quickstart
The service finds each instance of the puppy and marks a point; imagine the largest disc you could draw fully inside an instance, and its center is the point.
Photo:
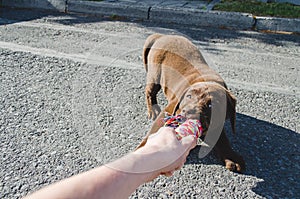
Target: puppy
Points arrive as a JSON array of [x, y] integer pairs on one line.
[[192, 89]]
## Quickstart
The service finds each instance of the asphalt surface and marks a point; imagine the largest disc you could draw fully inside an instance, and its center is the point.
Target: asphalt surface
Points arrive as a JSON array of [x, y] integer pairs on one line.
[[71, 92]]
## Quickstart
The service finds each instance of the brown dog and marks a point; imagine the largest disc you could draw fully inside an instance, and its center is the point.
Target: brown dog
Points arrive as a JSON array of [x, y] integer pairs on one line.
[[173, 63]]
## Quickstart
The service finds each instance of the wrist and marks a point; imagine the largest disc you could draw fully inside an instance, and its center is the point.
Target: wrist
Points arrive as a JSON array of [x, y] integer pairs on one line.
[[139, 164]]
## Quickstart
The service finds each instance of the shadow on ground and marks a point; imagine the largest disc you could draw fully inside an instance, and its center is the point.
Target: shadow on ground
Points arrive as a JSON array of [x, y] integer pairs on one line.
[[271, 153], [14, 15]]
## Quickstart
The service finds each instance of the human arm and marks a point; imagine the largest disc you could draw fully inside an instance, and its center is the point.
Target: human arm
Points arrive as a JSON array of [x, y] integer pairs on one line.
[[162, 154]]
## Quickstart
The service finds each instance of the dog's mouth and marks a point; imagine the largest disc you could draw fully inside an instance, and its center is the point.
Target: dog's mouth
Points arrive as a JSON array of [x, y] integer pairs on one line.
[[201, 113], [205, 120], [203, 117]]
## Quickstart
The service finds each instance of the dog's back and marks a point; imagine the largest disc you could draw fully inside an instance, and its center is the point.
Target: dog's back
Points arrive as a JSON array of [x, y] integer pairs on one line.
[[147, 46]]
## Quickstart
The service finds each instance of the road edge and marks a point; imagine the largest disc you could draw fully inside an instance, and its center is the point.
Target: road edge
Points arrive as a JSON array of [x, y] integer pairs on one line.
[[156, 13]]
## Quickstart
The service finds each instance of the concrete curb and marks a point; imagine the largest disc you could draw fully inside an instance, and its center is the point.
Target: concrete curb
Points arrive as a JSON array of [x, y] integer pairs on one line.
[[277, 24], [150, 11], [201, 18]]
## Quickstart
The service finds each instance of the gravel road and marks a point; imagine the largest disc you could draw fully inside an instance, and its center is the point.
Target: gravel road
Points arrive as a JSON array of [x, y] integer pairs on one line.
[[71, 98]]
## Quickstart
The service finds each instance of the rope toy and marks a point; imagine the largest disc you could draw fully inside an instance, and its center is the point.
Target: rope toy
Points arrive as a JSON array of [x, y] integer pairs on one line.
[[183, 126]]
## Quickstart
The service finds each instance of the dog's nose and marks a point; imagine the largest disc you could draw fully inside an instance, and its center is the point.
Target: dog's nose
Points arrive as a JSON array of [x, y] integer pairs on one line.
[[183, 113], [191, 114]]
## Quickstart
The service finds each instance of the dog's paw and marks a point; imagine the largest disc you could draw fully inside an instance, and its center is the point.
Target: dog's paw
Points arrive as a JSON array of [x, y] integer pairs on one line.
[[235, 166], [149, 114], [154, 112]]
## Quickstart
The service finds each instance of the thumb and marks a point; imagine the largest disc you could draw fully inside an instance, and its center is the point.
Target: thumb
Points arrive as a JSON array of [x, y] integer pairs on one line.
[[189, 142]]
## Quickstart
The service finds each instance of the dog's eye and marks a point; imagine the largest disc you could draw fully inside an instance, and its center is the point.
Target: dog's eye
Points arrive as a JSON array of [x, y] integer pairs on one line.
[[189, 96]]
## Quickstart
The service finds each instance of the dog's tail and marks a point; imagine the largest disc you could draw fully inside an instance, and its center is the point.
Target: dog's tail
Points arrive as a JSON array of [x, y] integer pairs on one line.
[[147, 47]]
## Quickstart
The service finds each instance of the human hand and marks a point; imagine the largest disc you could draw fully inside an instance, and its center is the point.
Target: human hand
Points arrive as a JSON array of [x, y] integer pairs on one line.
[[167, 152], [161, 155]]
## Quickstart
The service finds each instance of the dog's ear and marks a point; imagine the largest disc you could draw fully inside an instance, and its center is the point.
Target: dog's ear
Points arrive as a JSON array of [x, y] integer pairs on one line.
[[231, 112], [176, 107]]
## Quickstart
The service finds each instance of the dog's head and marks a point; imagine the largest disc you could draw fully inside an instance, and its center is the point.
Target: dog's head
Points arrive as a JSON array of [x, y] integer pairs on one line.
[[198, 99]]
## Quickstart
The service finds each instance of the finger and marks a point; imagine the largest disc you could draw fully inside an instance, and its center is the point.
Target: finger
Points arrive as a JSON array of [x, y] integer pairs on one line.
[[179, 167], [168, 174], [183, 161]]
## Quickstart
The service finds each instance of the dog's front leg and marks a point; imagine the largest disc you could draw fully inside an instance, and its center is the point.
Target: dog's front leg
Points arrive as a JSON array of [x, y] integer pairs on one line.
[[157, 124], [232, 160], [153, 108]]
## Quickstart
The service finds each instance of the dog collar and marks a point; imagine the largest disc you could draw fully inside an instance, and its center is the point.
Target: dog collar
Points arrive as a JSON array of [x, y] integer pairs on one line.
[[183, 126]]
